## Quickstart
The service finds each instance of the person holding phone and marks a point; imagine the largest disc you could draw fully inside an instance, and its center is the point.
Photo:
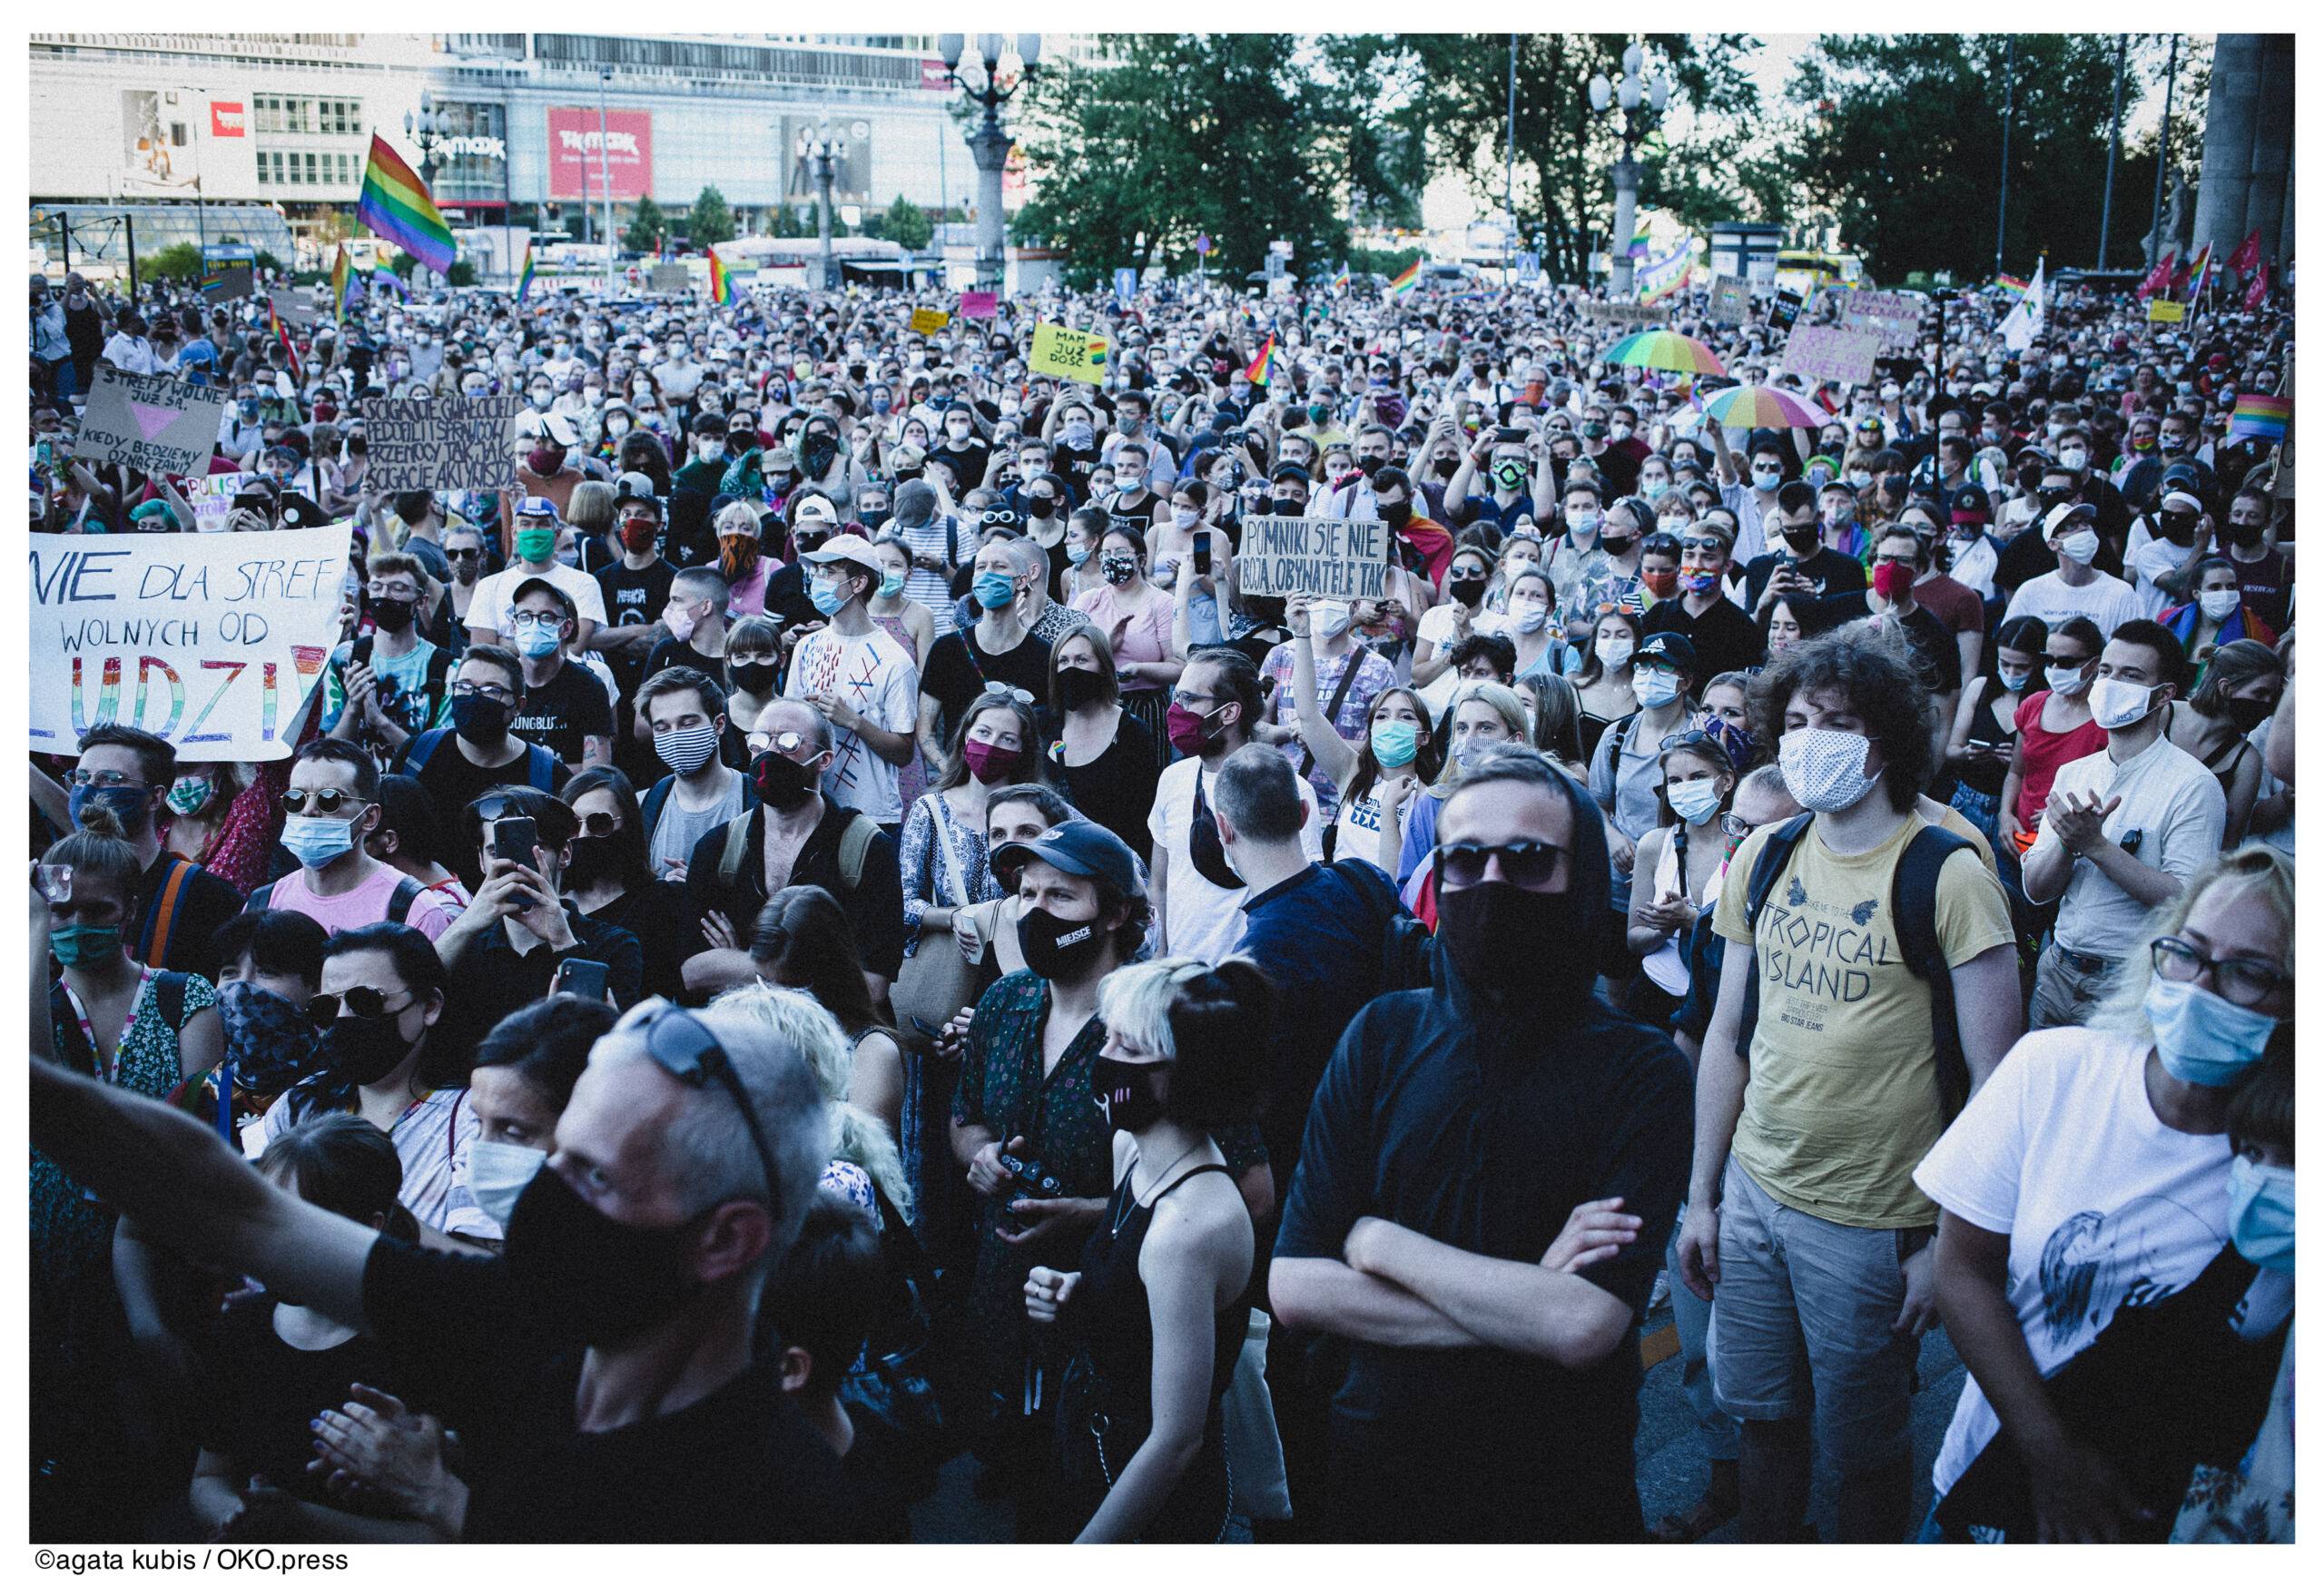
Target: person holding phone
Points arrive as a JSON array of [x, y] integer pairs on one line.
[[1985, 729]]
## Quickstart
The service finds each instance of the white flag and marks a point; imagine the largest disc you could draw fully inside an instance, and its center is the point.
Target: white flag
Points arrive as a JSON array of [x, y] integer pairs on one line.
[[2025, 319]]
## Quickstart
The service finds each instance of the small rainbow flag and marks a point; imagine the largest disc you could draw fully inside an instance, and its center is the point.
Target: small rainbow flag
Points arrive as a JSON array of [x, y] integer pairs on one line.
[[274, 322], [2199, 273], [2009, 285], [2260, 416], [722, 283], [524, 274], [1678, 282], [1340, 279], [396, 204], [1262, 366], [1407, 280]]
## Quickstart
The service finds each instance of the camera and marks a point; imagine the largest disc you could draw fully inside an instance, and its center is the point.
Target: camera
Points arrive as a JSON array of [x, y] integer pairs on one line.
[[1031, 1179]]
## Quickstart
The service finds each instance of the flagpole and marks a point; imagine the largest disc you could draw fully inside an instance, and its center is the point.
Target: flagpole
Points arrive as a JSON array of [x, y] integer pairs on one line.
[[2162, 157]]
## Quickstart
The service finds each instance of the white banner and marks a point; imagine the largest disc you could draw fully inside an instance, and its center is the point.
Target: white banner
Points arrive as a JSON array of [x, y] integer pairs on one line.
[[215, 642]]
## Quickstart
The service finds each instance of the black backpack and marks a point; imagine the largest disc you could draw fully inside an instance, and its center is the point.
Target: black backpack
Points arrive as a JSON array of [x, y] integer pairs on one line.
[[1912, 911], [540, 767]]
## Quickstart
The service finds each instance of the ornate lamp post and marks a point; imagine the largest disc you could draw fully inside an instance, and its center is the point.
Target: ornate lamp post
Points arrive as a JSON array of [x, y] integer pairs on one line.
[[990, 145], [1642, 103]]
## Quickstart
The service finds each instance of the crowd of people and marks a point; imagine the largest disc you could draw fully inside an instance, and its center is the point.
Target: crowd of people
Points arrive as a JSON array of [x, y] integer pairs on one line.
[[820, 928]]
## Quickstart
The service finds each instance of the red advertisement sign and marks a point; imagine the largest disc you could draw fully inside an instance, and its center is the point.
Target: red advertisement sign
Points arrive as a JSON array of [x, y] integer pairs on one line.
[[574, 160], [226, 119], [934, 78]]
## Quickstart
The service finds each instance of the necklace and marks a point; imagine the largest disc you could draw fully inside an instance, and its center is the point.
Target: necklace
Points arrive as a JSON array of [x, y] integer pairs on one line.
[[1130, 1200]]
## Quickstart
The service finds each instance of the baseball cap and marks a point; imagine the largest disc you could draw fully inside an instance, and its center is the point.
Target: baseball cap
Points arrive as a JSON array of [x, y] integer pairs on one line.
[[1078, 849], [538, 510], [542, 583], [1669, 648], [558, 429], [2066, 515], [815, 508], [632, 485], [847, 549]]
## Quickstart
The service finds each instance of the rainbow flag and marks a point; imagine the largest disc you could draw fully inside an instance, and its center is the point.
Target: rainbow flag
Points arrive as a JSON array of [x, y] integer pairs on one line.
[[1340, 279], [397, 206], [1676, 282], [2009, 285], [1407, 280], [274, 322], [1262, 367], [2260, 416], [722, 283], [2199, 273], [524, 274]]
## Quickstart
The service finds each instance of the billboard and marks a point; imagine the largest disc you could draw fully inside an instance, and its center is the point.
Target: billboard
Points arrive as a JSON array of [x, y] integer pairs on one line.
[[851, 177], [574, 160], [226, 118], [157, 158]]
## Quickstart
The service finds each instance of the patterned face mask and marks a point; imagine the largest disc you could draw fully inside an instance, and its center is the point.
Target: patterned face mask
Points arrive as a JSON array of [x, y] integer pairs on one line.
[[1824, 767], [268, 1040]]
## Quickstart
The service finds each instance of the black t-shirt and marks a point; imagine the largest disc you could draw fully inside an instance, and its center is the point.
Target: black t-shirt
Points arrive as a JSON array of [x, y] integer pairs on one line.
[[1725, 639], [1075, 466], [452, 780], [1937, 655], [1116, 790], [740, 1466], [1829, 573], [558, 715], [635, 596], [874, 904], [261, 1395], [968, 464], [957, 671]]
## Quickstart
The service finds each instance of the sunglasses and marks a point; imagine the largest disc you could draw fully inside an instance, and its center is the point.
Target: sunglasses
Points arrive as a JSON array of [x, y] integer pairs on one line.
[[1528, 862], [683, 1046], [600, 825], [363, 1001], [327, 801]]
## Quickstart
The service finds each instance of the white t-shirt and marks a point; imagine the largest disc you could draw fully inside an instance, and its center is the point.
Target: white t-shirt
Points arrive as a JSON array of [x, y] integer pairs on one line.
[[2178, 812], [492, 605], [1438, 628], [2148, 559], [875, 676], [2126, 1210], [1201, 919], [2106, 602]]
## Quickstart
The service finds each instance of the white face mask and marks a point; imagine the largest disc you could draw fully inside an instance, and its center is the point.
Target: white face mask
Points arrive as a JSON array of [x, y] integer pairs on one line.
[[2066, 681], [1528, 618], [2119, 703], [1613, 651], [2219, 604], [498, 1172], [1824, 767], [2074, 459], [1327, 619], [1694, 801], [2081, 546]]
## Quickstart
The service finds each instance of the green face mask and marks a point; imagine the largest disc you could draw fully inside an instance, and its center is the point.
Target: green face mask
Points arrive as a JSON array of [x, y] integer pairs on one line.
[[75, 945], [536, 543]]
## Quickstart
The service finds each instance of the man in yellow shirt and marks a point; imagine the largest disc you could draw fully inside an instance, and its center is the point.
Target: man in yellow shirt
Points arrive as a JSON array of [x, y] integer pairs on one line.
[[1801, 1210]]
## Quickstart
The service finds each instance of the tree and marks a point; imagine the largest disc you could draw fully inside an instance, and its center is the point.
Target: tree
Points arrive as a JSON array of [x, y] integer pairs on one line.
[[1220, 133], [644, 231], [180, 262], [712, 220], [907, 224]]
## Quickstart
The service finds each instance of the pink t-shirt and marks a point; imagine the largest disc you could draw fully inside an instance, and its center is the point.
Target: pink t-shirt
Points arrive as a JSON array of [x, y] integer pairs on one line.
[[1146, 640], [364, 905]]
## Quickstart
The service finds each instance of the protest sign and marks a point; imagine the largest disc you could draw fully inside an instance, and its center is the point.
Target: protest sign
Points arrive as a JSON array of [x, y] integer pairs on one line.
[[1879, 304], [670, 279], [212, 498], [2161, 312], [228, 281], [1062, 352], [295, 308], [216, 644], [154, 424], [1281, 554], [1785, 310], [927, 321], [454, 441], [979, 303], [1841, 355], [1624, 312], [1731, 300]]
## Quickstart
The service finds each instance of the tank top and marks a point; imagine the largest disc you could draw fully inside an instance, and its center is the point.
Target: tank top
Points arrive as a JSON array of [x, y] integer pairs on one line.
[[1987, 773], [1666, 966], [1115, 1327], [2046, 751]]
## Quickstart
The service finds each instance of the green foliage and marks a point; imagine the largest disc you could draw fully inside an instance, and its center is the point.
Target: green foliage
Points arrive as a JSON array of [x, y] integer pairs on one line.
[[181, 262], [1223, 133], [646, 227], [463, 272], [905, 224], [712, 220], [267, 259], [403, 265], [1364, 260]]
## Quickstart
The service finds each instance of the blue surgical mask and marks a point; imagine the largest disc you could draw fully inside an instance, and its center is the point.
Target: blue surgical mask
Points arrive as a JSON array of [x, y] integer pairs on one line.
[[131, 807], [828, 598], [1654, 686], [2202, 1038], [536, 641], [1076, 556], [1394, 743], [2259, 1213], [994, 590], [2014, 682], [315, 841], [892, 582], [1694, 801]]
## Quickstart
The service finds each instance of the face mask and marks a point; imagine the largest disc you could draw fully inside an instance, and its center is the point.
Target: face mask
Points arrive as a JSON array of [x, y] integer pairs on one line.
[[1619, 431], [1394, 743], [1582, 522], [1328, 620], [1824, 767], [2170, 443], [892, 584], [827, 596], [1765, 481], [2076, 460], [1698, 582], [1058, 949], [993, 590], [1076, 556], [1117, 568], [1492, 932], [2202, 1038], [129, 805], [1398, 515], [269, 1038], [2066, 681], [1859, 479], [363, 1050], [2081, 546], [536, 543], [188, 795], [1129, 1091], [1613, 651], [1467, 593], [755, 677], [781, 783], [1892, 581], [480, 720], [2116, 704], [592, 1278], [2259, 1212], [315, 841], [637, 533], [80, 946], [2014, 682], [1511, 475], [1189, 732], [2219, 604], [1662, 583], [1655, 687], [737, 557], [684, 750], [498, 1172], [1694, 801], [989, 763]]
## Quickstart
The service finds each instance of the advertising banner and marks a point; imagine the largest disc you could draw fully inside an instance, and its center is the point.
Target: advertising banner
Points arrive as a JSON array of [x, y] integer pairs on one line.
[[572, 160]]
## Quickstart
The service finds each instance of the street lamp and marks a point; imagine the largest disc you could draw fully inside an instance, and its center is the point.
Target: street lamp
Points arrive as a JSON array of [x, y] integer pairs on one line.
[[824, 153], [1642, 103], [990, 145]]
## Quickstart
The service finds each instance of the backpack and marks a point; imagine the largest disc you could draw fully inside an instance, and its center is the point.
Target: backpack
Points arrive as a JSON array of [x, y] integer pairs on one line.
[[1912, 911], [400, 901], [162, 921], [855, 847], [540, 767]]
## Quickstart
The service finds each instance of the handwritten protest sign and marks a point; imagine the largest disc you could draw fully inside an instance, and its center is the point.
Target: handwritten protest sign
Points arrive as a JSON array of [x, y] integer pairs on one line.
[[1283, 554], [1731, 300], [979, 303], [1062, 352], [232, 282], [155, 424], [1879, 304], [216, 644], [212, 498], [1624, 312], [1840, 355], [926, 320], [669, 279], [455, 441], [295, 308], [2160, 311]]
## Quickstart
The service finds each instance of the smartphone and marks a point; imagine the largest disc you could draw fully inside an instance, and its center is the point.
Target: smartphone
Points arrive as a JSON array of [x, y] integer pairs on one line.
[[579, 977], [1202, 553], [1509, 435], [513, 838]]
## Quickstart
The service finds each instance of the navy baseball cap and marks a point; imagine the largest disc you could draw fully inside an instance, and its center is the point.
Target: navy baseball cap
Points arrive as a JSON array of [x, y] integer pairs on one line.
[[1668, 647], [1078, 849]]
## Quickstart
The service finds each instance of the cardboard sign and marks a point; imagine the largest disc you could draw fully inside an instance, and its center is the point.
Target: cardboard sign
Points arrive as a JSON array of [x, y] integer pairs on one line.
[[212, 498], [1062, 352], [1785, 310], [1629, 313], [1879, 304], [453, 441], [1281, 554], [232, 281], [216, 643], [2160, 311], [927, 321], [979, 303], [154, 424], [1730, 301], [294, 307], [670, 279], [1840, 355]]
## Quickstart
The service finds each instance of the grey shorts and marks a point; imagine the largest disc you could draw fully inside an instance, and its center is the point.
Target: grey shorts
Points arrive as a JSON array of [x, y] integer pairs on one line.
[[1801, 1321]]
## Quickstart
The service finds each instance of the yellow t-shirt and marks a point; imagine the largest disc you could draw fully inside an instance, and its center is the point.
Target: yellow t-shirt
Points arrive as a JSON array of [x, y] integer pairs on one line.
[[1842, 1101]]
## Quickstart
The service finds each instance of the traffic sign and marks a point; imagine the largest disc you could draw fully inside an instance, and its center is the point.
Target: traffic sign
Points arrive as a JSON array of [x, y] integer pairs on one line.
[[1202, 246]]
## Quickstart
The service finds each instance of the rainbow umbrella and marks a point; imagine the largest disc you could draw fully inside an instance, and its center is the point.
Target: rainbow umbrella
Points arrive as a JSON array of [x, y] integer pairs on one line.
[[1744, 406], [1667, 350]]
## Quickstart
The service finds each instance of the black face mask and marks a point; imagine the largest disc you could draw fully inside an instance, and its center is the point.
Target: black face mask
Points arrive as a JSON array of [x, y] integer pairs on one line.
[[2248, 711], [1131, 1090], [590, 861], [1370, 464], [363, 1050], [480, 720], [1078, 687], [392, 614], [781, 783], [818, 452], [1467, 593], [2246, 536], [753, 677], [1492, 932], [1448, 466], [1398, 515], [1059, 949], [1040, 508], [588, 1276]]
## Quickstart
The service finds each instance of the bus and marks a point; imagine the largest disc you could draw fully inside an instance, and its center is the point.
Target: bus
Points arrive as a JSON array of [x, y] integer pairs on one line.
[[1809, 271]]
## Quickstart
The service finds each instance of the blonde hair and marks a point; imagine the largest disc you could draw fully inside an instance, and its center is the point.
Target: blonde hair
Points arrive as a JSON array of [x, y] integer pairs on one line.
[[2265, 876], [806, 1024], [1505, 703], [1134, 1001], [591, 509]]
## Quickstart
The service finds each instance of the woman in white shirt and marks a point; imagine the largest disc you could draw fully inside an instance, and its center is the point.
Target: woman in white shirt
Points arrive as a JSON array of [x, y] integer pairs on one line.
[[1378, 775]]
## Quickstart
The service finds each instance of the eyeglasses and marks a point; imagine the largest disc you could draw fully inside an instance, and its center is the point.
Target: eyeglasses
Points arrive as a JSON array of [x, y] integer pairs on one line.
[[1735, 826], [379, 593], [2245, 981], [684, 1047], [81, 777], [1527, 863], [600, 825], [363, 1001], [462, 688], [789, 740], [326, 801], [547, 621]]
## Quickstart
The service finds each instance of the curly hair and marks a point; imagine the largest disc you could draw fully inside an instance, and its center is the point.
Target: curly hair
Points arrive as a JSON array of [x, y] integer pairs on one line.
[[1873, 670]]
